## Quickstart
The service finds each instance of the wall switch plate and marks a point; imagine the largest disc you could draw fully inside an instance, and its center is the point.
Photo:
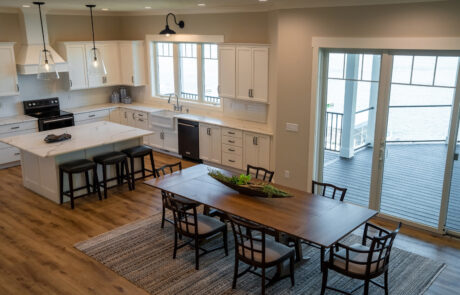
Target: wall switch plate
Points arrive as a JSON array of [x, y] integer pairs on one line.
[[292, 127], [287, 173]]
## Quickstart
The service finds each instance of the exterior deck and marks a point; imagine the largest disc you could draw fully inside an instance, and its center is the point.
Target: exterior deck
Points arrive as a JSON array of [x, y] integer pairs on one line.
[[412, 186]]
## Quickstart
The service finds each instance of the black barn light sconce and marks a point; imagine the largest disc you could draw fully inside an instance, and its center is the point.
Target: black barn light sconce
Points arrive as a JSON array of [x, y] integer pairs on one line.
[[167, 31]]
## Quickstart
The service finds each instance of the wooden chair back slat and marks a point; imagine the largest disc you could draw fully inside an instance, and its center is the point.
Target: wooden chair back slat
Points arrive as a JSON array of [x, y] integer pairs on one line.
[[168, 167], [247, 236], [321, 189], [267, 174]]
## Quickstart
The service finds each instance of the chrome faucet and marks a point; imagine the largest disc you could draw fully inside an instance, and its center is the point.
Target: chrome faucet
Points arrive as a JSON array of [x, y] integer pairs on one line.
[[177, 106]]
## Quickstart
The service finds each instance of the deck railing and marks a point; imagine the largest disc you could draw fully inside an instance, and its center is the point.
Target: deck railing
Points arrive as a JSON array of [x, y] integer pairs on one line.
[[207, 98], [190, 96], [333, 139]]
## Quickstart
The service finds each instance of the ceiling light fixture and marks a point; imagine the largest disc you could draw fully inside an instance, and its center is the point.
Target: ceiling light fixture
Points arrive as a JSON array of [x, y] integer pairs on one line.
[[167, 31], [26, 6], [97, 67], [148, 7], [201, 4], [46, 67], [104, 9]]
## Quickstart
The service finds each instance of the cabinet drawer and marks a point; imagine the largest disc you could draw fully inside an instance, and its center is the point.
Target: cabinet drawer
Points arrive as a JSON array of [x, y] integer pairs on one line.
[[92, 115], [232, 160], [232, 132], [18, 127], [235, 141], [236, 150], [9, 155], [9, 134]]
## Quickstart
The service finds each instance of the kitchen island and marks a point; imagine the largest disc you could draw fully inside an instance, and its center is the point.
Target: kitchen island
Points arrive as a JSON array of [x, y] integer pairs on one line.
[[40, 161]]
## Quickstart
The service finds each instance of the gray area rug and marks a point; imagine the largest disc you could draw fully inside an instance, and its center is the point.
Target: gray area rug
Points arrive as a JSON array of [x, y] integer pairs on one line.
[[142, 252]]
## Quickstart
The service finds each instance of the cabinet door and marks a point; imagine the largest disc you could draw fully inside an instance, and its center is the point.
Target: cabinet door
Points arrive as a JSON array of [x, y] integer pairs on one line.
[[243, 72], [76, 60], [256, 151], [131, 118], [205, 142], [156, 139], [141, 123], [111, 56], [93, 80], [127, 74], [124, 116], [170, 141], [138, 58], [250, 151], [260, 74], [8, 75], [227, 71], [115, 115], [216, 145]]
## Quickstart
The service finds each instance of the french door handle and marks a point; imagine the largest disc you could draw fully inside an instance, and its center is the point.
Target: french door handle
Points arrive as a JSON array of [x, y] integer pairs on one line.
[[456, 157], [382, 152]]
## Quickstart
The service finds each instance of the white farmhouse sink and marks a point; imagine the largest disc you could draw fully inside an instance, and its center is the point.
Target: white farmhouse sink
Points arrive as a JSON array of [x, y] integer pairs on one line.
[[164, 119]]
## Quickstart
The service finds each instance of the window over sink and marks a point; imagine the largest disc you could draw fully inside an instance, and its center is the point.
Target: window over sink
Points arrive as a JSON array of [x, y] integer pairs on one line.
[[190, 70]]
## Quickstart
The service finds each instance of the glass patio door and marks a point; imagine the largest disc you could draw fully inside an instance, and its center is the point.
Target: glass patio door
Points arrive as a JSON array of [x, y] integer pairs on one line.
[[351, 86], [453, 209], [422, 91]]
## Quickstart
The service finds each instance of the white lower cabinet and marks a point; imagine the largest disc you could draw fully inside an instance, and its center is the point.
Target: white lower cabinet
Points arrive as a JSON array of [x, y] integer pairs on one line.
[[210, 143], [91, 117], [9, 154], [165, 139], [256, 150], [115, 115], [232, 148]]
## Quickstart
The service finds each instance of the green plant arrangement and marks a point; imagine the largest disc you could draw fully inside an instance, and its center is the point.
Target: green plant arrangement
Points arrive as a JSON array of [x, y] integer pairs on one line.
[[242, 184]]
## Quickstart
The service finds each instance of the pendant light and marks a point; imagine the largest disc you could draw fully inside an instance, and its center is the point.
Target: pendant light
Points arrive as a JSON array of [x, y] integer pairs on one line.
[[46, 66], [97, 66], [167, 31]]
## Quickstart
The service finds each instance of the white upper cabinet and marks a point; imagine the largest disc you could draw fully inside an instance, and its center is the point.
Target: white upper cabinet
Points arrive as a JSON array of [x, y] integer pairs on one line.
[[123, 60], [210, 143], [75, 55], [256, 150], [227, 71], [111, 55], [8, 75], [132, 56], [252, 73]]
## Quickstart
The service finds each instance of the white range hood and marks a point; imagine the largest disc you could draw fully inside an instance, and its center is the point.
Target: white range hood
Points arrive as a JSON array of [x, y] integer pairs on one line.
[[32, 44]]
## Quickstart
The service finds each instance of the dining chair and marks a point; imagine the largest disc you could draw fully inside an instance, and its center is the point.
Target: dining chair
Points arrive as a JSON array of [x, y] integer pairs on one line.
[[252, 248], [364, 261], [260, 173], [162, 171], [324, 189], [198, 227]]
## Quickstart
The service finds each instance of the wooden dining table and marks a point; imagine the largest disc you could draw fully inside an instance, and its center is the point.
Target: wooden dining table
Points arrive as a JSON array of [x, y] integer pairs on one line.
[[306, 216]]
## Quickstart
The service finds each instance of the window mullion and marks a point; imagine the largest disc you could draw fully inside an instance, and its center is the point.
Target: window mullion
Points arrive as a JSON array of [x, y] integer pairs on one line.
[[177, 82], [199, 58]]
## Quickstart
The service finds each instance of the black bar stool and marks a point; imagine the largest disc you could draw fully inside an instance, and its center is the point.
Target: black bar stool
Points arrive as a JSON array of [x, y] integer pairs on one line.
[[120, 161], [77, 167], [140, 151]]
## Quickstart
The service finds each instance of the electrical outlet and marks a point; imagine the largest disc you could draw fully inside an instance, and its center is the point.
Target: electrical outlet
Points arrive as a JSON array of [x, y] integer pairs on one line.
[[287, 174]]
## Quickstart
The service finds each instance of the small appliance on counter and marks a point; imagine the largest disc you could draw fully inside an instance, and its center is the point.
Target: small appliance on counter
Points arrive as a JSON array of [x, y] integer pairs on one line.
[[115, 97], [124, 98], [48, 113]]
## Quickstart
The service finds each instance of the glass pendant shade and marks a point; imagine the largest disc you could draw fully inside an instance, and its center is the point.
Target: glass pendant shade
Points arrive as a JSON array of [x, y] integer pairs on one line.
[[96, 66], [46, 66]]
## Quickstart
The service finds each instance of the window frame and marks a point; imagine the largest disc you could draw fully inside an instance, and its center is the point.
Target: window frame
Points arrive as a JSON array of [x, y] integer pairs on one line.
[[178, 73]]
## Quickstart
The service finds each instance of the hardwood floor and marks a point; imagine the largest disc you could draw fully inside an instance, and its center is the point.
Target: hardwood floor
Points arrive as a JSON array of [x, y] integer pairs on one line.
[[37, 237]]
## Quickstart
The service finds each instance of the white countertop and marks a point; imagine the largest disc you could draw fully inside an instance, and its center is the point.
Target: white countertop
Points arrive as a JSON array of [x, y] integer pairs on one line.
[[16, 119], [217, 120], [83, 137]]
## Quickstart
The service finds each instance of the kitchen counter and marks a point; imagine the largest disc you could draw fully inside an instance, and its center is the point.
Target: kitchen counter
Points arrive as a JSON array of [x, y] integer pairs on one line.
[[83, 137], [215, 120], [40, 161], [16, 119]]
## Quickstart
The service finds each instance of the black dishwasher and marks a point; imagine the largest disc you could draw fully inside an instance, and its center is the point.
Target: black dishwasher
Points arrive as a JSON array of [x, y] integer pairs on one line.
[[189, 139]]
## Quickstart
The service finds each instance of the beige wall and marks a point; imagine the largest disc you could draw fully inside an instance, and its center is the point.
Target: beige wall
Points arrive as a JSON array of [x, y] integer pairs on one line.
[[294, 59], [78, 28], [9, 27], [236, 27]]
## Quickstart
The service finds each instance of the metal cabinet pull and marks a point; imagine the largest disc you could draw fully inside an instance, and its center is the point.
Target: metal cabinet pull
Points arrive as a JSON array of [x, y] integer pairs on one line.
[[70, 83], [254, 140], [231, 141], [17, 85], [91, 116], [231, 150], [162, 135], [15, 127], [249, 92], [231, 132], [133, 115], [231, 161], [140, 120], [208, 131], [132, 79], [17, 154]]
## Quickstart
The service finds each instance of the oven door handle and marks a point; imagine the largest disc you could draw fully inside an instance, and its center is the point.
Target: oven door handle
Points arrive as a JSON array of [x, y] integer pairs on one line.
[[56, 120]]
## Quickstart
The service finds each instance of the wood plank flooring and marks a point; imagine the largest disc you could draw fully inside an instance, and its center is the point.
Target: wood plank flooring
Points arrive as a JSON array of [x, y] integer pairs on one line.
[[37, 237]]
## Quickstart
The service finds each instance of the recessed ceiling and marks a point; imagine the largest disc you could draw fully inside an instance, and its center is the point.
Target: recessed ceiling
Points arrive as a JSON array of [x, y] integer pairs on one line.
[[191, 6]]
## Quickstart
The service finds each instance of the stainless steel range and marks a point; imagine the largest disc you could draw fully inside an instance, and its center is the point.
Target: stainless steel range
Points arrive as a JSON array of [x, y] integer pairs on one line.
[[48, 113]]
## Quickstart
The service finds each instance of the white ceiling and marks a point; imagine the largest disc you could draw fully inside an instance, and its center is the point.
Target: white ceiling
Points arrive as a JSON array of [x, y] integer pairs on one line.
[[191, 6]]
